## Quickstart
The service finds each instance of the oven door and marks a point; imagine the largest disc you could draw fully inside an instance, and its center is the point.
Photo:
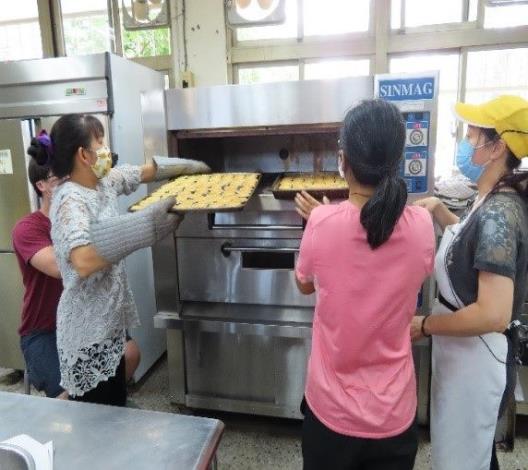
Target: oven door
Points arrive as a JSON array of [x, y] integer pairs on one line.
[[249, 271]]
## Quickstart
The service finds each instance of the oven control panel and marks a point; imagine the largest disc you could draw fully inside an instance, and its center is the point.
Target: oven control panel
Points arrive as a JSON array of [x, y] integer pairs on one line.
[[416, 95], [416, 152]]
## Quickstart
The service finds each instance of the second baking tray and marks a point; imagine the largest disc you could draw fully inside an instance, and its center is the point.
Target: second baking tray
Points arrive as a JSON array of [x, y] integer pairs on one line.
[[317, 192]]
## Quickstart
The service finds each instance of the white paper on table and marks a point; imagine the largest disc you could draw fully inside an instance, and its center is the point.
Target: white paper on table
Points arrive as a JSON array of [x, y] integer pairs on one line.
[[42, 453]]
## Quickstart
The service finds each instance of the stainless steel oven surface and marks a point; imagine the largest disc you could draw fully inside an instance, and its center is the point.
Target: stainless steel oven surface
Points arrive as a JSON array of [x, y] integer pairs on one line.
[[247, 271], [244, 372]]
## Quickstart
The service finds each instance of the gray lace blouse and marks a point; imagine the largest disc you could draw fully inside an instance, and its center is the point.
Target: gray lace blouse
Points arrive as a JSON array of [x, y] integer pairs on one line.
[[494, 239], [94, 312]]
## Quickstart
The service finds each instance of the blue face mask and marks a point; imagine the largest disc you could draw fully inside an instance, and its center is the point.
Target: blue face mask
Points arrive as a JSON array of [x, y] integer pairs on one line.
[[464, 160]]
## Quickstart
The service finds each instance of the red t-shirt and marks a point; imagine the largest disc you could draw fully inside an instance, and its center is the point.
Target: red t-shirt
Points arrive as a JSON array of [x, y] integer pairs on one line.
[[39, 310]]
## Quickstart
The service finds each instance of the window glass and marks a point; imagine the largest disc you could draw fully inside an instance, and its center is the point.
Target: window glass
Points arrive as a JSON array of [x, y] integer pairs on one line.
[[86, 27], [396, 14], [473, 7], [324, 17], [20, 31], [263, 74], [146, 42], [281, 31], [505, 16], [336, 68], [447, 64], [496, 72], [425, 12]]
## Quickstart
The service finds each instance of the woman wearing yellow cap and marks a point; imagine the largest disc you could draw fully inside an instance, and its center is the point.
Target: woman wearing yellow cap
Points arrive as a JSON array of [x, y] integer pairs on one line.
[[481, 269]]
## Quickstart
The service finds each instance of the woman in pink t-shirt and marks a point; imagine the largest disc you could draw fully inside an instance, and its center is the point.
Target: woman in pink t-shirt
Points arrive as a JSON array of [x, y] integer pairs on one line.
[[366, 259]]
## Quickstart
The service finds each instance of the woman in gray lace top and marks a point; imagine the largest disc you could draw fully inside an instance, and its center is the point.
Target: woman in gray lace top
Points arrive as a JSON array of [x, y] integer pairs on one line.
[[482, 271], [91, 240]]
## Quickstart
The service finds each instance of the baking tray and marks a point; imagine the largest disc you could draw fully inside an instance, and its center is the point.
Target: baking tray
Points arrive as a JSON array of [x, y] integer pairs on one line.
[[318, 193], [210, 208]]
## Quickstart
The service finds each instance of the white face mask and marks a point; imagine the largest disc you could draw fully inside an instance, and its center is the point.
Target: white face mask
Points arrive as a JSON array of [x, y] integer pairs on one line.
[[340, 166]]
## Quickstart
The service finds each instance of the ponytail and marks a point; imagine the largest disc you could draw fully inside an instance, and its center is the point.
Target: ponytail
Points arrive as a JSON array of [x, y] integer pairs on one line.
[[41, 152], [41, 149], [383, 210], [517, 180], [373, 136]]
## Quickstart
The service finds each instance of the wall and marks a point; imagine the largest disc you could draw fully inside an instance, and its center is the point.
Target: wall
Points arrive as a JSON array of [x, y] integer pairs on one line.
[[205, 41]]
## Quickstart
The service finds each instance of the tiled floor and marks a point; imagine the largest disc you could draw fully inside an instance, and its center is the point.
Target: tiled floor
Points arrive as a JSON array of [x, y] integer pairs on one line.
[[251, 442]]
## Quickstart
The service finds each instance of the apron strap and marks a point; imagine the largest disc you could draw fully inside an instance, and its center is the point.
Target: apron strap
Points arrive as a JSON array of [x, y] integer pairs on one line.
[[511, 332], [446, 303]]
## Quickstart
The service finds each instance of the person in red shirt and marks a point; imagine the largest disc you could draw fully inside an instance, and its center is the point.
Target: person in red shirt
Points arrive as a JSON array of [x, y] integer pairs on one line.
[[43, 287]]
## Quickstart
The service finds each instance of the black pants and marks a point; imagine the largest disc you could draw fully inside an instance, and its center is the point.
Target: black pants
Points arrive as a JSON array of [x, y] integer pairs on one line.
[[494, 465], [110, 392], [326, 449]]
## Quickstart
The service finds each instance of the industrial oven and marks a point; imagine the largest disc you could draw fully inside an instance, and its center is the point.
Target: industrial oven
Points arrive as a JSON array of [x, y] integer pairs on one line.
[[238, 330]]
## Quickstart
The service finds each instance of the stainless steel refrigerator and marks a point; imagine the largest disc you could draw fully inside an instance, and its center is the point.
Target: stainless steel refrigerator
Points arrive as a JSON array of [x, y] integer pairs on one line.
[[15, 201], [129, 100]]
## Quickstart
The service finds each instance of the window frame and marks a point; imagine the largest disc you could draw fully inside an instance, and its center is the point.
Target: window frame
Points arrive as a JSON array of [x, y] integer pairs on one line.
[[381, 43]]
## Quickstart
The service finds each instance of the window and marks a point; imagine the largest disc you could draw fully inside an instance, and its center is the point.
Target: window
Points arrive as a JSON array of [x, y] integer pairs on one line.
[[496, 72], [86, 27], [20, 31], [166, 79], [320, 18], [335, 16], [336, 68], [396, 14], [447, 64], [426, 12], [473, 9], [505, 16], [281, 31], [263, 74], [146, 42]]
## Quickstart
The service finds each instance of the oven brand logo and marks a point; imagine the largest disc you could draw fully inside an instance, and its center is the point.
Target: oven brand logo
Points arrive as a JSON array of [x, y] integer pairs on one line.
[[405, 89]]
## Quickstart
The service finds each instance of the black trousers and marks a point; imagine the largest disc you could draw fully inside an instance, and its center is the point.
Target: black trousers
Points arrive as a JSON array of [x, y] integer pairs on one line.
[[324, 449], [494, 465], [110, 392]]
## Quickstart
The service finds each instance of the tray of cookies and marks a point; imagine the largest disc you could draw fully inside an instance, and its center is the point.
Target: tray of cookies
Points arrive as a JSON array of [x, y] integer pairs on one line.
[[214, 192], [328, 183]]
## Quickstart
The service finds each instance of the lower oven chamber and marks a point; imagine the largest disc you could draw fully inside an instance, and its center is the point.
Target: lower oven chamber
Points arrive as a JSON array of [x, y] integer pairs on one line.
[[246, 366]]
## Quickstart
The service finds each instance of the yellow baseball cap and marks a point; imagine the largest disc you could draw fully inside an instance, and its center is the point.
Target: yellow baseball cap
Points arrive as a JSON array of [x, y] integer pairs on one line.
[[507, 114]]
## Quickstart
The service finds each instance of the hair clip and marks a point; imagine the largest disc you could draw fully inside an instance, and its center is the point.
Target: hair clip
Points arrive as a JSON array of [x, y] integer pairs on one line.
[[44, 139]]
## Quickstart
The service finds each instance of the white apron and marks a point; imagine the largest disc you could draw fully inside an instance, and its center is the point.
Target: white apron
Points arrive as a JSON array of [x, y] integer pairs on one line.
[[468, 381]]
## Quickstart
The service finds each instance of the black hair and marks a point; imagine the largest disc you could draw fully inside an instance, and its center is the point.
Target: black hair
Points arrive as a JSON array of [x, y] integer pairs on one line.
[[372, 139], [512, 179], [70, 132], [37, 173]]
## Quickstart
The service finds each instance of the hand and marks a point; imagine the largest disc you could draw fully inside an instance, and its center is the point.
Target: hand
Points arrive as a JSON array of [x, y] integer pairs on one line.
[[169, 167], [429, 203], [305, 204], [416, 327], [164, 222]]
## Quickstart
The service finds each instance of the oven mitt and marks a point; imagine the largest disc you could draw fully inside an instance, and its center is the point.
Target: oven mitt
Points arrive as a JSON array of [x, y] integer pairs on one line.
[[117, 237], [168, 167]]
